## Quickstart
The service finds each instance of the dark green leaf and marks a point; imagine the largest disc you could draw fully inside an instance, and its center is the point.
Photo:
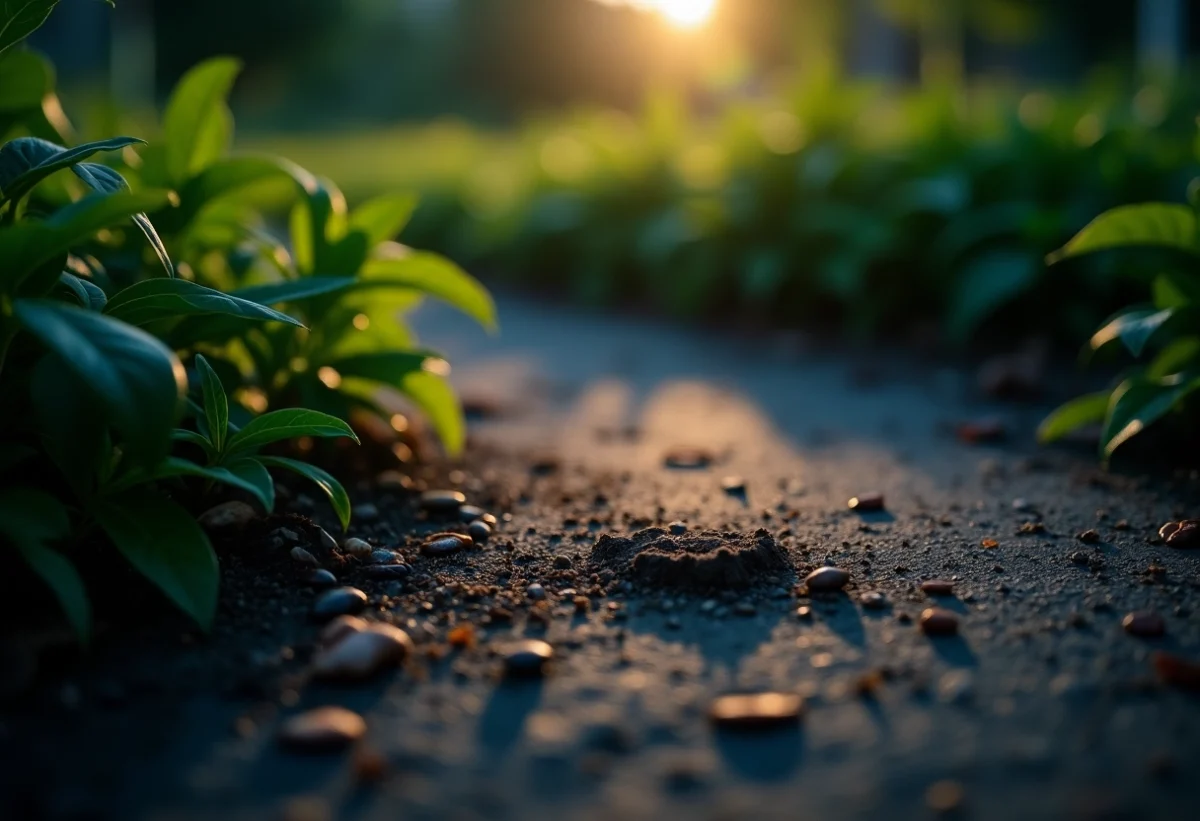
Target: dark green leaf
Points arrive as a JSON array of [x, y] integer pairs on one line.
[[72, 422], [21, 18], [388, 367], [106, 180], [1084, 410], [26, 161], [436, 276], [167, 546], [216, 404], [987, 283], [1181, 354], [1175, 290], [290, 423], [137, 381], [298, 290], [174, 467], [154, 299], [31, 520], [194, 438], [333, 489], [1159, 224], [83, 291], [195, 126], [25, 80], [1134, 328], [251, 471], [224, 177], [1137, 403]]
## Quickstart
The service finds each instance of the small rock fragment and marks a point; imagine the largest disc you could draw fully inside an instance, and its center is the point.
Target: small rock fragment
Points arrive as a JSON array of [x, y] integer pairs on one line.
[[535, 591], [479, 532], [381, 556], [528, 659], [387, 571], [321, 578], [688, 458], [989, 543], [936, 621], [937, 587], [1185, 534], [339, 602], [443, 544], [873, 600], [866, 502], [339, 628], [945, 796], [299, 554], [442, 501], [677, 528], [1144, 624], [982, 431], [322, 730], [733, 485], [756, 711], [357, 548], [1088, 537], [825, 579], [462, 637], [227, 516], [359, 655]]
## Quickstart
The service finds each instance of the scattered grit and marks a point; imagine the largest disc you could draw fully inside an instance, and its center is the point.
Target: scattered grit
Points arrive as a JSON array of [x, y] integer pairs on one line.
[[694, 561]]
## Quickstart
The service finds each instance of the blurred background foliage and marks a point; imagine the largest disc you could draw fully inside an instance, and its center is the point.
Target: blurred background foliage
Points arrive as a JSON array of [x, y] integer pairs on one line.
[[884, 166]]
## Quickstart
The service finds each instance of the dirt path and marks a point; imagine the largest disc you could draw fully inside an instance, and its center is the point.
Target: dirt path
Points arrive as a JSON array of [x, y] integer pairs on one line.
[[1041, 706]]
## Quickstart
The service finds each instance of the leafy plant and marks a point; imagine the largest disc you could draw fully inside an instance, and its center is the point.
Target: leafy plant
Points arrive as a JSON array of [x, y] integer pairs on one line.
[[1162, 336]]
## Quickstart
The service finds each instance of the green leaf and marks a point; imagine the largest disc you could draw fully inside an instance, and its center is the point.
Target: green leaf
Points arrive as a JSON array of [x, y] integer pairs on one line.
[[21, 18], [388, 367], [384, 217], [136, 380], [106, 180], [1158, 224], [287, 424], [85, 292], [1134, 328], [1136, 403], [216, 404], [154, 299], [298, 290], [332, 488], [988, 282], [1175, 290], [224, 177], [174, 467], [26, 161], [196, 123], [31, 519], [1177, 356], [166, 545], [1084, 410], [194, 438], [72, 423], [250, 471], [436, 398], [25, 80], [436, 276]]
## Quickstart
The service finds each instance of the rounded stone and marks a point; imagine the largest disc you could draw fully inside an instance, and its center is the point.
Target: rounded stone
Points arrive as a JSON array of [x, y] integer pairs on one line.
[[866, 503], [469, 513], [677, 528], [535, 591], [826, 579], [358, 548], [387, 571], [936, 621], [733, 485], [323, 729], [381, 556], [299, 554], [479, 532], [1185, 535], [937, 587], [756, 711], [363, 653], [443, 544], [1144, 624], [339, 628], [442, 501], [227, 516], [340, 601], [528, 659], [688, 458], [873, 600], [321, 578]]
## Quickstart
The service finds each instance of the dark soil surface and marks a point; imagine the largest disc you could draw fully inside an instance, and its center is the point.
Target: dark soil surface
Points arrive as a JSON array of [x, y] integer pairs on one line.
[[665, 588]]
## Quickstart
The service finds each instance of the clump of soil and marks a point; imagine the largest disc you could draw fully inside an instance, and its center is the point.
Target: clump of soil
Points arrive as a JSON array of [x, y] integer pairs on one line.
[[699, 560]]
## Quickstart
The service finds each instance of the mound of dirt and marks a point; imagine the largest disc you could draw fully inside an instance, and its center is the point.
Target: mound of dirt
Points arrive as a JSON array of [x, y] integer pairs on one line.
[[701, 560]]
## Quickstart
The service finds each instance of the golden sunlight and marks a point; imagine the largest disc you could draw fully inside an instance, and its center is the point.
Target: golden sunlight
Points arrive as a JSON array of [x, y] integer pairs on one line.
[[684, 14]]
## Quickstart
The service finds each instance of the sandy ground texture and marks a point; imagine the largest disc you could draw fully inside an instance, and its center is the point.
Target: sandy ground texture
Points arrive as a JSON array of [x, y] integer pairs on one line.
[[1040, 706]]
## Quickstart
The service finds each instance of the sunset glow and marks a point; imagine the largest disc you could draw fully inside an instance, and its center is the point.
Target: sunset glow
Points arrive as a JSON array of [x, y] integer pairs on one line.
[[685, 14]]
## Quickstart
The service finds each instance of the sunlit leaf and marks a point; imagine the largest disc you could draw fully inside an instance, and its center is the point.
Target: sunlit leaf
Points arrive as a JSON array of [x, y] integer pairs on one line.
[[289, 423], [1084, 410], [384, 217], [1134, 328], [196, 126], [1138, 403], [154, 299], [436, 276], [1151, 224], [106, 180], [331, 487], [26, 161]]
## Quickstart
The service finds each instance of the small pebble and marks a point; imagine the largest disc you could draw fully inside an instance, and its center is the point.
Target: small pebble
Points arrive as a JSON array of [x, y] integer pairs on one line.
[[867, 502], [873, 600], [1144, 624], [228, 515], [339, 628], [339, 602], [733, 485], [321, 578], [804, 612], [381, 556], [387, 571], [442, 501], [826, 579], [322, 729], [479, 532], [361, 654], [535, 591], [1185, 534], [936, 621], [937, 587], [469, 513], [759, 711], [677, 528], [299, 554], [528, 659], [562, 563], [687, 458], [1088, 537], [357, 548], [443, 544]]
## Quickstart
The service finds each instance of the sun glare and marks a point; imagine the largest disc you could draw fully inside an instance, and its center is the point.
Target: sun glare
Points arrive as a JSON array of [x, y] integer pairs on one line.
[[685, 13]]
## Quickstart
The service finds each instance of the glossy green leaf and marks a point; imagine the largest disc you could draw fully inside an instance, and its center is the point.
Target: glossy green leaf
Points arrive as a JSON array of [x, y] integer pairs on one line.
[[31, 520], [1134, 328], [332, 488], [297, 290], [166, 545], [26, 161], [106, 180], [1179, 355], [384, 217], [21, 18], [251, 472], [1152, 224], [989, 282], [437, 400], [436, 276], [196, 438], [216, 403], [388, 367], [154, 299], [1084, 410], [136, 380], [290, 423], [86, 293], [26, 78], [1176, 290], [224, 177], [72, 423], [196, 123], [174, 467], [1137, 403]]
